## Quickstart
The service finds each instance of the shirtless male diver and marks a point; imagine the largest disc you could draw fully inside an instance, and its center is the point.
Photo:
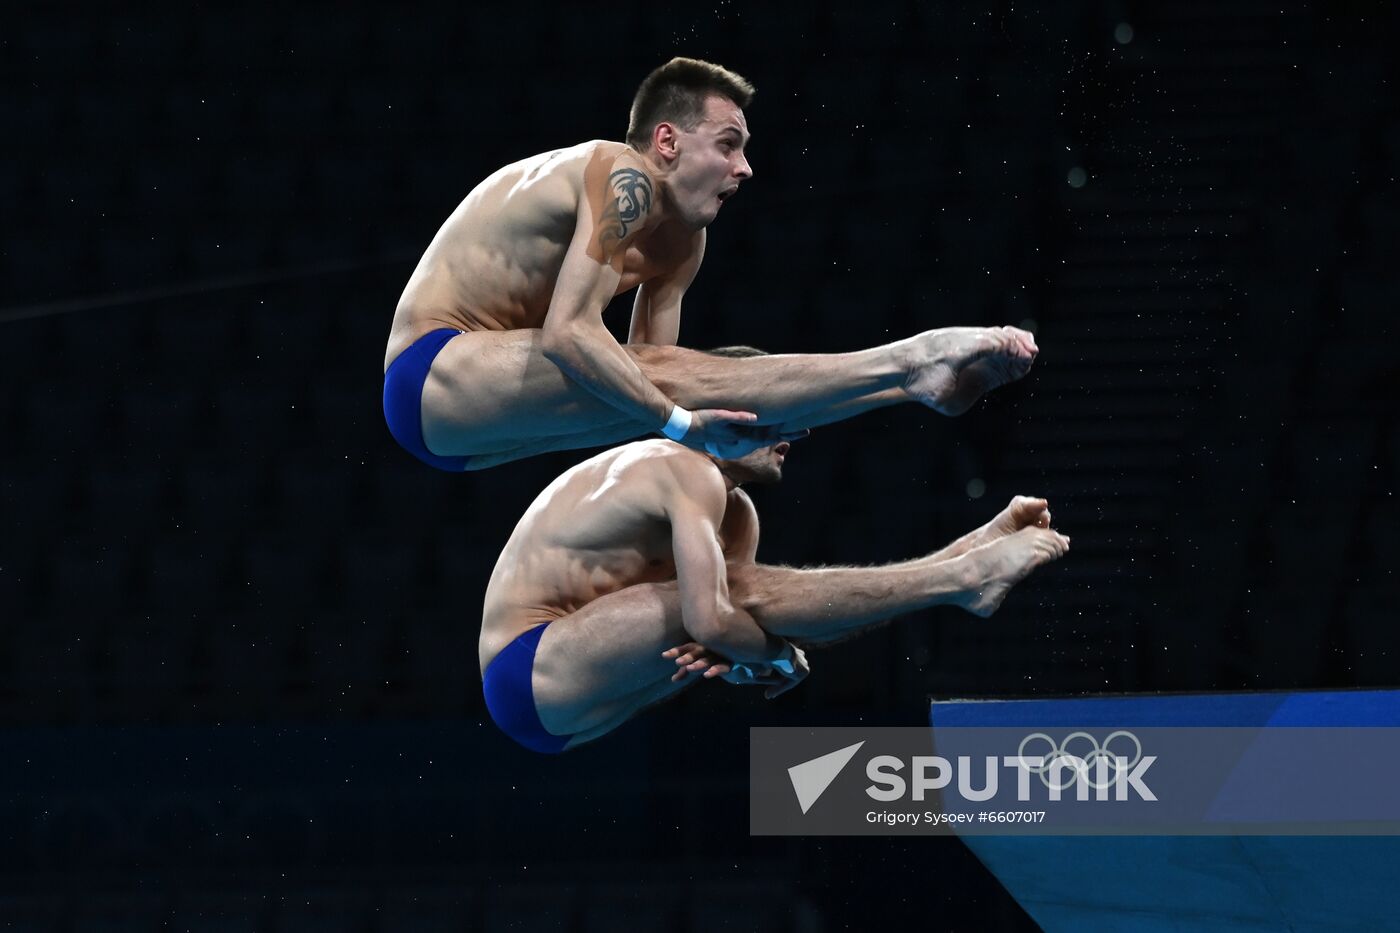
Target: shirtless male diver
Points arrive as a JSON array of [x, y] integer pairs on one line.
[[633, 575], [498, 349]]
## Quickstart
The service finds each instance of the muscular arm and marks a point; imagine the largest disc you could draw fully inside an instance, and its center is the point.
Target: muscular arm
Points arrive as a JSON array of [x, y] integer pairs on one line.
[[740, 529], [656, 313], [614, 208], [695, 506]]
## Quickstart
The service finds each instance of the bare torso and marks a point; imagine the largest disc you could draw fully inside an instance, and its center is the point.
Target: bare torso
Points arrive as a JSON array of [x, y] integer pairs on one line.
[[494, 263], [598, 528]]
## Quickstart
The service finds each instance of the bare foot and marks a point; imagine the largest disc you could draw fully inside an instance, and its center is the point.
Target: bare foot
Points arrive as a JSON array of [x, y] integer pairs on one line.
[[955, 366], [1020, 512], [998, 566]]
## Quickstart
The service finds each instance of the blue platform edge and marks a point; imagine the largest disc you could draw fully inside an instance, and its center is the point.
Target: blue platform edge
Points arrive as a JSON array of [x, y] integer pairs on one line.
[[1283, 709], [1208, 884]]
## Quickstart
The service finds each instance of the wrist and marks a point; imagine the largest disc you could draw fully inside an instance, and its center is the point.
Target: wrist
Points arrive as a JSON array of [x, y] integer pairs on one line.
[[678, 424]]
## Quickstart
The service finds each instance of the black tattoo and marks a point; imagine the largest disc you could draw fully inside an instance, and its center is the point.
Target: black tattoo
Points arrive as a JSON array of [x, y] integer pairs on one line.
[[629, 206]]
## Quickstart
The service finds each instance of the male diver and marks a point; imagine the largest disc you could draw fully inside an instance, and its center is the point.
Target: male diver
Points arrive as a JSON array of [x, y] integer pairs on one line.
[[634, 575], [498, 349]]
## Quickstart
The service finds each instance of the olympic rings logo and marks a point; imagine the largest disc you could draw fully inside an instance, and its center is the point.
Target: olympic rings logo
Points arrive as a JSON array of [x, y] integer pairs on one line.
[[1060, 758]]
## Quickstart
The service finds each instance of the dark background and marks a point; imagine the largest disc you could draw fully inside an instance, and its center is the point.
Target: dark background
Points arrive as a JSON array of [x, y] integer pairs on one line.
[[237, 623]]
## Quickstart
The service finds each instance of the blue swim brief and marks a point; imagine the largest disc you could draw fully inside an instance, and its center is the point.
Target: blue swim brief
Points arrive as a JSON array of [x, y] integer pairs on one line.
[[511, 698], [403, 398]]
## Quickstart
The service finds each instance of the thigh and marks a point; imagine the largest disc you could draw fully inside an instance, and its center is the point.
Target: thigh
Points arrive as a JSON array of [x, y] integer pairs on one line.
[[591, 666], [599, 437], [489, 391], [631, 706]]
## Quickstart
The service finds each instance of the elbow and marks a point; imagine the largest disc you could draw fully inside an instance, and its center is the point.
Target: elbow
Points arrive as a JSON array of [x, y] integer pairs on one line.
[[557, 345], [712, 631], [717, 631], [561, 344]]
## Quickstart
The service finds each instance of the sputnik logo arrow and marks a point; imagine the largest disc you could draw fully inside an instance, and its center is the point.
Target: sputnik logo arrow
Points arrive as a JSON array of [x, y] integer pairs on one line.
[[811, 778]]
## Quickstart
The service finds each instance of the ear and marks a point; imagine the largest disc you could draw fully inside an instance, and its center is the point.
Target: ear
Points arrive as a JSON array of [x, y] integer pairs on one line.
[[663, 141]]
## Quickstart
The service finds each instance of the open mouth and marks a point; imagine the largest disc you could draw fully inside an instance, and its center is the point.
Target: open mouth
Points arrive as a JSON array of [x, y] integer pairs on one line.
[[726, 193]]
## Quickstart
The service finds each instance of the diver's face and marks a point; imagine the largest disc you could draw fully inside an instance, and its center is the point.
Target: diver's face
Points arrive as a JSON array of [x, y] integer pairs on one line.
[[710, 162], [763, 467]]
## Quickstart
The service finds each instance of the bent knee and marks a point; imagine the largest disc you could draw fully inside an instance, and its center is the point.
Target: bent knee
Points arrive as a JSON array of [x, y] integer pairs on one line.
[[664, 366], [743, 579], [654, 353]]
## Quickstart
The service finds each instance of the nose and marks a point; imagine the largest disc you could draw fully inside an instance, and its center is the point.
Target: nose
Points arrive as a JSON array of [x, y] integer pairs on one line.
[[745, 170]]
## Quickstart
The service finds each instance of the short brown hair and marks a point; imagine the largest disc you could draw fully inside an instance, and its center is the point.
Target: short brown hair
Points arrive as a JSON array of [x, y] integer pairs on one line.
[[737, 352], [675, 93]]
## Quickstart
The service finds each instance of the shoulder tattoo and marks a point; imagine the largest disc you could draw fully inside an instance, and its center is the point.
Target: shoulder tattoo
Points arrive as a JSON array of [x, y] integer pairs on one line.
[[626, 209]]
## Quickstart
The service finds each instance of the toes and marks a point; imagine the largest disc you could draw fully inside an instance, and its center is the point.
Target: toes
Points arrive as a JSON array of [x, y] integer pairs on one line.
[[1025, 340], [1026, 510], [1010, 339], [1053, 543]]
